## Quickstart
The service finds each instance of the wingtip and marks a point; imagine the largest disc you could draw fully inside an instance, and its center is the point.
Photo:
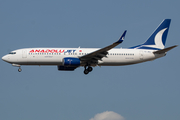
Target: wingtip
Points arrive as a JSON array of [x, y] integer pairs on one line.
[[122, 37]]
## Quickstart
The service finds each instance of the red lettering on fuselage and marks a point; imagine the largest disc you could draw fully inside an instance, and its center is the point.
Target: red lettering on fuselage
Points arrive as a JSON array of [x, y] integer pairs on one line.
[[37, 51], [42, 51], [61, 51], [31, 51], [46, 51]]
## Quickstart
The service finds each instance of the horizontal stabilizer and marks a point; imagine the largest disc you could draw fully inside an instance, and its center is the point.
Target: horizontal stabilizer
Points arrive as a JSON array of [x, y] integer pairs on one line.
[[165, 50]]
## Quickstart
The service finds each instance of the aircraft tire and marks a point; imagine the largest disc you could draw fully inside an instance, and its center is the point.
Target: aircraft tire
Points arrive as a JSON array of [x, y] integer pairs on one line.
[[19, 70], [86, 71], [90, 69]]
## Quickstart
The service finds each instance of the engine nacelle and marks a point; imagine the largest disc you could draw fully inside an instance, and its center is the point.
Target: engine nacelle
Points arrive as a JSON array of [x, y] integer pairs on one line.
[[69, 61]]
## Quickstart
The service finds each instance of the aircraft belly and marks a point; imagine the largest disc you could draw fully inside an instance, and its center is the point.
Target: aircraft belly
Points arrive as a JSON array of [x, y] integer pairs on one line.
[[44, 63]]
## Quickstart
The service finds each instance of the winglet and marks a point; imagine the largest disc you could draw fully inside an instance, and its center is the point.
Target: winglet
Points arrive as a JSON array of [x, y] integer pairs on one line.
[[122, 37]]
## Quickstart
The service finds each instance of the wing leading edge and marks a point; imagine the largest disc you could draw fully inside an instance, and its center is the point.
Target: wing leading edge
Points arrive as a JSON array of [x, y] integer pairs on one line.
[[99, 54]]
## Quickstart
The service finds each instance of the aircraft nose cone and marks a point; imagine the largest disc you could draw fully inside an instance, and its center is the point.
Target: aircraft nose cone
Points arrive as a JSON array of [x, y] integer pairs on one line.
[[4, 58]]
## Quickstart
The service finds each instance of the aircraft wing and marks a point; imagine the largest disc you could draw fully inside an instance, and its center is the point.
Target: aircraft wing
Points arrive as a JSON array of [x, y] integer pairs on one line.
[[99, 54]]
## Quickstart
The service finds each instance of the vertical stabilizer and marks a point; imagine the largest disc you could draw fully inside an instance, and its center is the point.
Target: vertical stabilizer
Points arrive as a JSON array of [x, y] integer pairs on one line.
[[157, 40]]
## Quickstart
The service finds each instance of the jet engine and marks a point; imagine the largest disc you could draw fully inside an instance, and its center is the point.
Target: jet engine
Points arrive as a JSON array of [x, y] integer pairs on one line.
[[69, 61]]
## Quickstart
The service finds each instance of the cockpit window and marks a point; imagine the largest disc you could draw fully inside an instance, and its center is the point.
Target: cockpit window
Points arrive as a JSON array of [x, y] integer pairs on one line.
[[12, 53]]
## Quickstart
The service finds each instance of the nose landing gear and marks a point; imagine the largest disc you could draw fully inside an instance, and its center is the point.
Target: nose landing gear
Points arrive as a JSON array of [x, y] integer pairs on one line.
[[19, 70], [17, 65]]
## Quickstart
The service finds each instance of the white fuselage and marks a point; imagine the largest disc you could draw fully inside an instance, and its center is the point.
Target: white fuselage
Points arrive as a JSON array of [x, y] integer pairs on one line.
[[68, 59], [54, 56]]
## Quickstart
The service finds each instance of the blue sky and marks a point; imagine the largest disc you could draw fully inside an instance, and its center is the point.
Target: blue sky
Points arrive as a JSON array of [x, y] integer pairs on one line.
[[143, 91]]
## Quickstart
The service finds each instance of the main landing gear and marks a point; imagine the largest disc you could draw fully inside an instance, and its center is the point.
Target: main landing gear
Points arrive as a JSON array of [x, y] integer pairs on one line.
[[87, 70]]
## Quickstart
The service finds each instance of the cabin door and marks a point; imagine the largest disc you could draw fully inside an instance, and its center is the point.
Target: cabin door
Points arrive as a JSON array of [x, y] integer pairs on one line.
[[24, 54]]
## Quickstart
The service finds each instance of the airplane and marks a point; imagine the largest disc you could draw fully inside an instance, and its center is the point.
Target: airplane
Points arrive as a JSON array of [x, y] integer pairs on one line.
[[68, 59]]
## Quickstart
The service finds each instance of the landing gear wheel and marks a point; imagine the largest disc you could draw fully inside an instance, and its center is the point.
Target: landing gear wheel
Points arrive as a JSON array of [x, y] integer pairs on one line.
[[90, 69], [86, 71], [19, 69]]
